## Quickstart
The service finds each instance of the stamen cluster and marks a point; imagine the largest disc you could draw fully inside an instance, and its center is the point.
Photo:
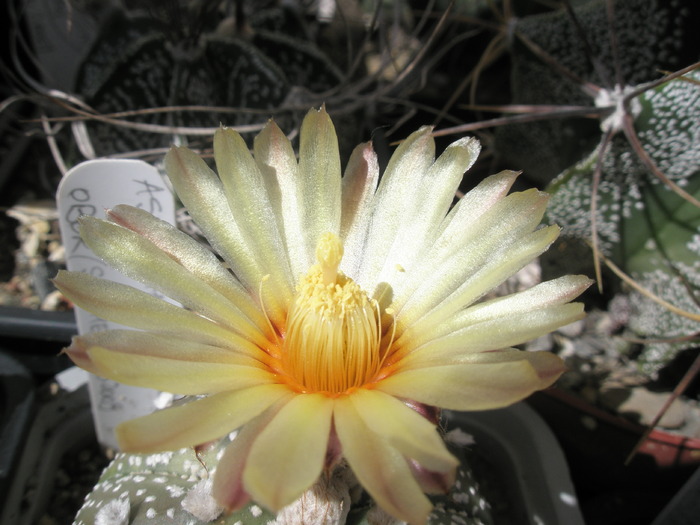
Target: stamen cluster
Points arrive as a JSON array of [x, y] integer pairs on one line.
[[332, 343]]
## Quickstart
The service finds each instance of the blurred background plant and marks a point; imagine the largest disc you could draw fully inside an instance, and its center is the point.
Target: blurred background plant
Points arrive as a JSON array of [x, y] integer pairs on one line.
[[597, 101]]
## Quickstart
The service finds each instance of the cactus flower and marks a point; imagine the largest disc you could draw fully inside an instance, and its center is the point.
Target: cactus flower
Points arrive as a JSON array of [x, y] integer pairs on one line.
[[338, 312]]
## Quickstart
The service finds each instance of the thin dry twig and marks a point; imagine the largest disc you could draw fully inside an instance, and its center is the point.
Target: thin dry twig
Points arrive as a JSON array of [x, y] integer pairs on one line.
[[581, 111], [647, 293], [597, 173]]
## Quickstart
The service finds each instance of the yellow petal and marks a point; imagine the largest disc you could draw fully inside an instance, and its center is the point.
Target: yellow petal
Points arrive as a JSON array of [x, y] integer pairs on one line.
[[229, 490], [419, 225], [170, 375], [456, 228], [549, 293], [137, 309], [166, 346], [138, 258], [468, 281], [319, 171], [358, 187], [379, 467], [500, 379], [394, 200], [278, 165], [493, 242], [520, 306], [190, 254], [288, 455], [404, 428], [492, 334], [251, 208], [198, 421], [203, 195]]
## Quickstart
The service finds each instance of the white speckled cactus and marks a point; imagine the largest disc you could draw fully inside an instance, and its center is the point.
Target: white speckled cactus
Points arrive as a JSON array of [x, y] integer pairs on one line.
[[643, 225], [174, 488]]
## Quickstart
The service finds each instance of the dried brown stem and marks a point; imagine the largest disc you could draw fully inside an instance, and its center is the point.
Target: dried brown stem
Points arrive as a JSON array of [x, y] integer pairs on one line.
[[680, 388]]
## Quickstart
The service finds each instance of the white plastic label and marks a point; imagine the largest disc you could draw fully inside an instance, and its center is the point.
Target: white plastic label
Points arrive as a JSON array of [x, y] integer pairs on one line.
[[90, 188]]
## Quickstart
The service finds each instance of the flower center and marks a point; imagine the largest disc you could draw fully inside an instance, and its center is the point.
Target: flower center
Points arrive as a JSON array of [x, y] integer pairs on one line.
[[332, 342]]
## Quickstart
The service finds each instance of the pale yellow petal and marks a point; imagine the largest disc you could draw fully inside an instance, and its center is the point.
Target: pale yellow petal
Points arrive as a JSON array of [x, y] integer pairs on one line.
[[404, 428], [229, 490], [172, 375], [548, 293], [167, 346], [359, 184], [278, 165], [138, 258], [489, 335], [469, 281], [488, 244], [288, 455], [203, 195], [501, 322], [199, 421], [469, 208], [394, 201], [319, 170], [434, 193], [251, 208], [190, 254], [380, 468], [477, 385], [134, 308]]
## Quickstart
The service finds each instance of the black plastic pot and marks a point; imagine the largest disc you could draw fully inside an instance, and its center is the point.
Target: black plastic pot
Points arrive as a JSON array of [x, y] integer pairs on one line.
[[530, 462], [60, 426], [16, 404]]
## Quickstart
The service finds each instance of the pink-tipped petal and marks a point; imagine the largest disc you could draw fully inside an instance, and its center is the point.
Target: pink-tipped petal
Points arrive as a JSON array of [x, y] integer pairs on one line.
[[229, 490], [288, 455], [404, 428], [432, 482], [77, 352], [131, 307], [493, 334], [379, 467], [491, 380]]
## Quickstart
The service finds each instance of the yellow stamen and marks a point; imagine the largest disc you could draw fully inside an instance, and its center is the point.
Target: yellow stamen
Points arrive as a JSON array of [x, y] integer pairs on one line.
[[332, 341]]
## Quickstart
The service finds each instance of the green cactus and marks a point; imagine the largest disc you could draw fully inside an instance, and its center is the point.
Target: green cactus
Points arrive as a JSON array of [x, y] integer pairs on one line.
[[644, 226], [171, 488], [651, 36]]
